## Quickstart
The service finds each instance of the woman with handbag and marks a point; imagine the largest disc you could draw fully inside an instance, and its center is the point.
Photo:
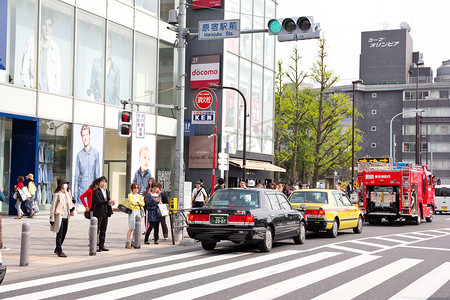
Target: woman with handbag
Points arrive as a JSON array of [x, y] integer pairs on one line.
[[88, 196], [136, 201], [152, 200], [18, 205], [62, 206]]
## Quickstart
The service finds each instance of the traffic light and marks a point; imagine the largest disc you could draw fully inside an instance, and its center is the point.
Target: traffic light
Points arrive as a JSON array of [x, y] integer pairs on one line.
[[293, 29], [125, 123]]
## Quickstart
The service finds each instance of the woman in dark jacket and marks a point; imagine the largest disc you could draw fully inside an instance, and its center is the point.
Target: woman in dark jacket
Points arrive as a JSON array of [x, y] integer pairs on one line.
[[152, 199]]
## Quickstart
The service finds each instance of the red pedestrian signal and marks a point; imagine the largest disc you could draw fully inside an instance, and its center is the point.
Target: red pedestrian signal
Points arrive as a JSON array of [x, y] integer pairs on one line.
[[125, 127]]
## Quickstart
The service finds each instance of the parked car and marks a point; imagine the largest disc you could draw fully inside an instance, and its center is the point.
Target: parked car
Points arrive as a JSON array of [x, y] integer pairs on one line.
[[259, 216], [328, 210], [442, 198]]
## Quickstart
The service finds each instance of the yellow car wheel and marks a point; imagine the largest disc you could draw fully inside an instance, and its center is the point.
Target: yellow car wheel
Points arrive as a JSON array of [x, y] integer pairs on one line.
[[333, 232]]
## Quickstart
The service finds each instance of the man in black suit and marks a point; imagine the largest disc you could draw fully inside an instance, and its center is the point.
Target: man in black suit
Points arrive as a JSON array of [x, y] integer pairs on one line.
[[102, 210]]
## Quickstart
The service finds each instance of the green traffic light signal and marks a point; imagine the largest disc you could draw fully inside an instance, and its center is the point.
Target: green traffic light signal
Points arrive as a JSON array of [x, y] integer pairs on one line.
[[274, 26]]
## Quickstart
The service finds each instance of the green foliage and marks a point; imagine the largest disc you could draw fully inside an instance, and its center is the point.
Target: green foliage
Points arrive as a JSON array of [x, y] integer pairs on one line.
[[310, 138]]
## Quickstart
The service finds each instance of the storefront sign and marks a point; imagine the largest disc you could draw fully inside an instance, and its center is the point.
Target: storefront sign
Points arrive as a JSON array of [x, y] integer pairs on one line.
[[205, 70], [164, 177], [219, 29], [198, 4], [203, 99], [201, 149], [3, 30], [140, 125], [203, 117]]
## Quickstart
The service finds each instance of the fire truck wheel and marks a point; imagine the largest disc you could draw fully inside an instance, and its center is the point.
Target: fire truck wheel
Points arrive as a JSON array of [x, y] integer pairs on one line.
[[417, 220], [431, 217], [359, 226], [333, 232]]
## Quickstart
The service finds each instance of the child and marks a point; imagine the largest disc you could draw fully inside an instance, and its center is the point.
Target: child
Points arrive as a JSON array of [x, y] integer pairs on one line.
[[143, 174]]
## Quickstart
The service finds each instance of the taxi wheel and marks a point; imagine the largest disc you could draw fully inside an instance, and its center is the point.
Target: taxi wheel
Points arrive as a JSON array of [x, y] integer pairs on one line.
[[359, 226], [266, 244], [333, 232], [209, 245], [300, 238]]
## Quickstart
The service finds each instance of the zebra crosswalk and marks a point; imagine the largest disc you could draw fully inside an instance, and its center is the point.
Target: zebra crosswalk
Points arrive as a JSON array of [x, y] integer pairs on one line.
[[330, 272]]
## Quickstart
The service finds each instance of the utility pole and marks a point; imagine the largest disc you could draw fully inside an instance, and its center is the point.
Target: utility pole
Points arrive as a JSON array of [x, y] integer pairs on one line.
[[179, 155]]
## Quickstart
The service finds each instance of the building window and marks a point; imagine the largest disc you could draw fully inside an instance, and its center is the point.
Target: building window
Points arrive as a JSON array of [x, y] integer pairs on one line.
[[373, 128], [439, 129], [168, 77], [149, 6], [439, 147], [374, 95], [145, 62], [373, 145], [409, 147], [443, 94], [374, 111], [411, 95], [90, 57], [409, 129]]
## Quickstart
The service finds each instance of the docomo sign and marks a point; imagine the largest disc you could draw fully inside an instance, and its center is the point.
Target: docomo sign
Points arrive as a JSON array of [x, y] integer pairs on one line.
[[203, 98]]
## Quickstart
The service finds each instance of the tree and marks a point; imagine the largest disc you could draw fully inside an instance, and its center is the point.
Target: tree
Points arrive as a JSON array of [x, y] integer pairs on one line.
[[332, 141], [290, 109]]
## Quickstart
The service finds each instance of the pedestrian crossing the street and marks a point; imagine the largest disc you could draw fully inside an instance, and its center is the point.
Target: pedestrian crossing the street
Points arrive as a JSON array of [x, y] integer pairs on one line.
[[248, 274]]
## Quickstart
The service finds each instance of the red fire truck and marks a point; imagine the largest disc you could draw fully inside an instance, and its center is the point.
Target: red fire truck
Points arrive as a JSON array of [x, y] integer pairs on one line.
[[395, 191]]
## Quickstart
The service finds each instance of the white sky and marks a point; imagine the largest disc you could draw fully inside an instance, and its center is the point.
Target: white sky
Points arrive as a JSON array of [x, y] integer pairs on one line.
[[343, 21]]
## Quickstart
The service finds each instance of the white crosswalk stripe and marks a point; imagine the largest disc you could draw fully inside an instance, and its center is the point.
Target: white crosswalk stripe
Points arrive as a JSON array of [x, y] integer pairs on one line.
[[427, 285], [124, 277], [297, 282], [188, 276], [230, 282], [366, 282], [120, 267]]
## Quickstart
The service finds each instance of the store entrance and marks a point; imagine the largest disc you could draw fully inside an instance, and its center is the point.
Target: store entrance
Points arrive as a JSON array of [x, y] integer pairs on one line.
[[18, 153], [116, 173]]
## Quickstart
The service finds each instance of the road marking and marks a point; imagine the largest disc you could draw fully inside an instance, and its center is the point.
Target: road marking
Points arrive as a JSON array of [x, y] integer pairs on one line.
[[424, 234], [184, 277], [390, 240], [124, 277], [213, 287], [438, 231], [338, 247], [408, 236], [427, 285], [425, 248], [369, 244], [366, 282], [290, 285], [82, 274]]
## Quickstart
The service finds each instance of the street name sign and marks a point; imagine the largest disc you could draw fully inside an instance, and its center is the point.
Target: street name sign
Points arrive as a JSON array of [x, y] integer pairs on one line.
[[218, 29]]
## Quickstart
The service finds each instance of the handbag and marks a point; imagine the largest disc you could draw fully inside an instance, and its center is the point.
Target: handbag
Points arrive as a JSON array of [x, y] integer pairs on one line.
[[163, 209], [125, 206], [87, 215]]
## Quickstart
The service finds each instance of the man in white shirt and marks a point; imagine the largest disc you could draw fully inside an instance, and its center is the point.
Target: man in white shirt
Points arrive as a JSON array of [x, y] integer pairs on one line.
[[199, 195]]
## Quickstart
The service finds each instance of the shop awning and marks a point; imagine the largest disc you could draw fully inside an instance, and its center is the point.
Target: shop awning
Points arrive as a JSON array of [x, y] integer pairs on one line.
[[256, 165]]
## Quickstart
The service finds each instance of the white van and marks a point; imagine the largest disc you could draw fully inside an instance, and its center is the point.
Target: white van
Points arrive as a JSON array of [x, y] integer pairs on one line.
[[442, 198]]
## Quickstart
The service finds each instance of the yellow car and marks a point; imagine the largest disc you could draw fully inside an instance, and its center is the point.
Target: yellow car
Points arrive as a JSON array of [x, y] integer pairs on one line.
[[329, 210]]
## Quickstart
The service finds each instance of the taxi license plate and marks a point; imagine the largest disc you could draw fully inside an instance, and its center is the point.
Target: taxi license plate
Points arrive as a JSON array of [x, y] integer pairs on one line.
[[219, 220], [444, 207]]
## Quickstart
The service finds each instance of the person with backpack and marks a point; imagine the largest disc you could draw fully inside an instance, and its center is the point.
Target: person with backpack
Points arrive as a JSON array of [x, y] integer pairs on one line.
[[199, 195]]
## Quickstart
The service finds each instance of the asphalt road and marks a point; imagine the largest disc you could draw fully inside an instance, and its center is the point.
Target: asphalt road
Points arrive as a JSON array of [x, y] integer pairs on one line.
[[387, 261]]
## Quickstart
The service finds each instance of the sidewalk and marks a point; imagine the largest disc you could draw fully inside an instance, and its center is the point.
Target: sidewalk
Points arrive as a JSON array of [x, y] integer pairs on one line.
[[76, 244]]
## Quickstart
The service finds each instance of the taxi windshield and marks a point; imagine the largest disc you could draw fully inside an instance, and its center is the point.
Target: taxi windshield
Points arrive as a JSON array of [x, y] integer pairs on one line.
[[309, 197]]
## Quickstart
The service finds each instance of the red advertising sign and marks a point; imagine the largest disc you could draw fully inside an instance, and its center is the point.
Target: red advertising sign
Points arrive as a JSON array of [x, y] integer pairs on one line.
[[197, 4], [205, 70], [203, 99]]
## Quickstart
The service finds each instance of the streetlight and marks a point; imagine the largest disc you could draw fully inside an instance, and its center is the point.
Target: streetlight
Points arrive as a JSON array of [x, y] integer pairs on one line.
[[244, 145], [417, 111], [353, 129]]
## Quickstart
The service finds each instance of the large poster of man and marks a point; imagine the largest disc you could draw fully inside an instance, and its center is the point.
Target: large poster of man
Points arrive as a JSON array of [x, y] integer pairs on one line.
[[143, 153], [87, 160]]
